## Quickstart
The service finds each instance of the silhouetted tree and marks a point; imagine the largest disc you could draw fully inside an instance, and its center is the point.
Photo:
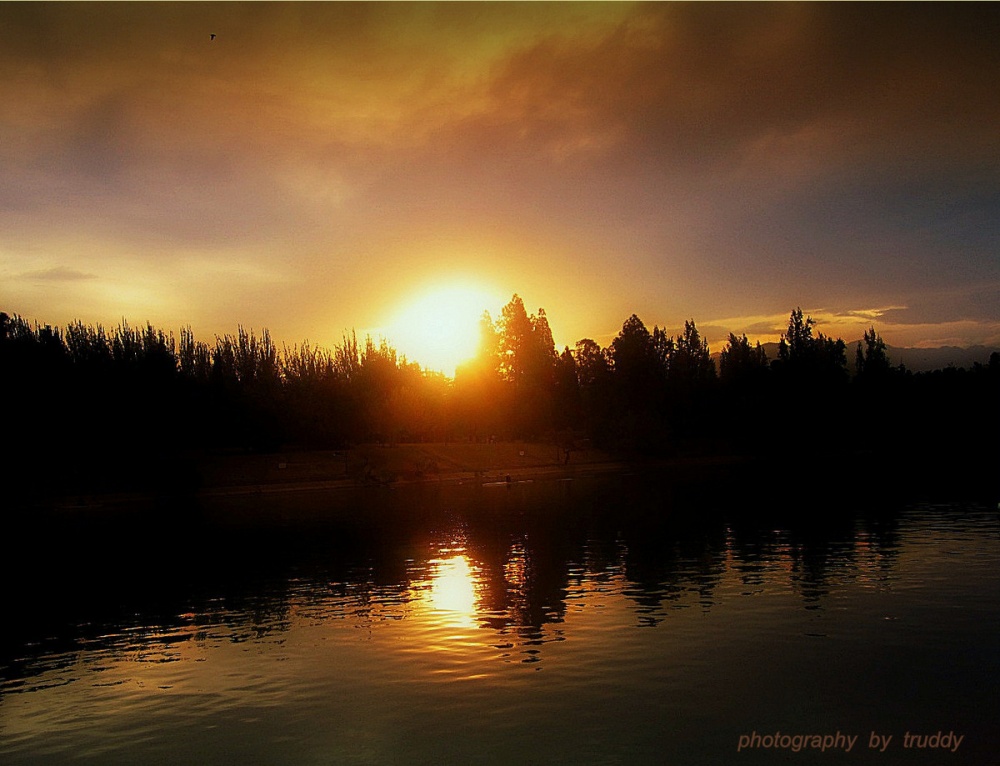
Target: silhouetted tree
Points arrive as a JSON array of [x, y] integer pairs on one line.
[[593, 372], [691, 379], [317, 401], [515, 342], [637, 369], [810, 389], [592, 363], [740, 363], [638, 382], [818, 361], [194, 357], [88, 346], [113, 409], [246, 388], [664, 348], [568, 405], [691, 365], [871, 360], [377, 384], [797, 340], [527, 353], [747, 402], [527, 362], [347, 357]]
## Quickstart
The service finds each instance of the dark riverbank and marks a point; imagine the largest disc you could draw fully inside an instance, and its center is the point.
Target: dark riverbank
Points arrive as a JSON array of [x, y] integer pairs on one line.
[[348, 476], [342, 479]]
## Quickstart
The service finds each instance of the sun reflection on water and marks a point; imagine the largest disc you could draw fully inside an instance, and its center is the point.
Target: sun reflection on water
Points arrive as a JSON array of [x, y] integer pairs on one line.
[[453, 591]]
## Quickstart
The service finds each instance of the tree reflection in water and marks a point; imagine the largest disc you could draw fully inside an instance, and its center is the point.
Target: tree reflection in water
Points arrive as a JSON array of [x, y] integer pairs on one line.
[[510, 562], [617, 617]]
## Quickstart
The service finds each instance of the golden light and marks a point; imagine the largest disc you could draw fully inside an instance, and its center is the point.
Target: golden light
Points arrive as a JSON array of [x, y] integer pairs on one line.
[[453, 591], [439, 328]]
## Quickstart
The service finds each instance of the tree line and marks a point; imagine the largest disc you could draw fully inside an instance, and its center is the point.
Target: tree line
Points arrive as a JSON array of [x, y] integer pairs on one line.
[[88, 406]]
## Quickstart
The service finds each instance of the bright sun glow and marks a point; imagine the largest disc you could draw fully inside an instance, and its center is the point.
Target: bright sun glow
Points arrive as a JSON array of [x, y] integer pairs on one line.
[[453, 591], [439, 328]]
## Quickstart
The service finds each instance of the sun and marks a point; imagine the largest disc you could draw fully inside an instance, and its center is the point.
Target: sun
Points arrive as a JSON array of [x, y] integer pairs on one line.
[[439, 327]]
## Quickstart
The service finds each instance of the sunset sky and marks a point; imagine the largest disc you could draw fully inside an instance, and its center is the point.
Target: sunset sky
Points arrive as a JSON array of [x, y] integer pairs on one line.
[[321, 167]]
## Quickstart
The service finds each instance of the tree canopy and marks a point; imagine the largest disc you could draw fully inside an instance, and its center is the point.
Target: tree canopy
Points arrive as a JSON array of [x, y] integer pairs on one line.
[[135, 398]]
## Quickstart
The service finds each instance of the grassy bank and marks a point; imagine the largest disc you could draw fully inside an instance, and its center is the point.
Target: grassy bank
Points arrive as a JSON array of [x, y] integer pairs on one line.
[[371, 464]]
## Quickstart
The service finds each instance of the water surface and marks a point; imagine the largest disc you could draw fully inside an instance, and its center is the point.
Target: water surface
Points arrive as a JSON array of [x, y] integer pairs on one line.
[[594, 621]]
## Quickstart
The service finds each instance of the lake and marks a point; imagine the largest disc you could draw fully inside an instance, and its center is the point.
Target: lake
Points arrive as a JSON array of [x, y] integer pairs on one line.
[[630, 619]]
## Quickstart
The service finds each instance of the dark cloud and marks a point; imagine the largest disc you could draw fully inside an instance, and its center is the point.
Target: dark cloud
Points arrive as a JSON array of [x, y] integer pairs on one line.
[[712, 84]]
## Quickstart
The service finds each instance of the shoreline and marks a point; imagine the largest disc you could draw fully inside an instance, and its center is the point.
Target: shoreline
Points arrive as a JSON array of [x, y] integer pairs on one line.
[[286, 483], [370, 470]]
